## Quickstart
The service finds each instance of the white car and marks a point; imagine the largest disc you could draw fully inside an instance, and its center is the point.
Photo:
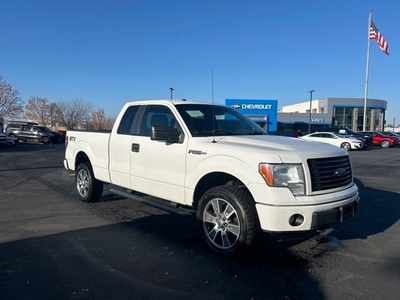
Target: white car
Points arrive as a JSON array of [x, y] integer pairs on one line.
[[334, 139]]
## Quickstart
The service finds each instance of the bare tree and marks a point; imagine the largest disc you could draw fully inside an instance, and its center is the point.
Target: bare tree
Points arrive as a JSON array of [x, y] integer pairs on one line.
[[73, 114], [11, 104], [98, 119], [39, 110], [52, 113], [109, 123]]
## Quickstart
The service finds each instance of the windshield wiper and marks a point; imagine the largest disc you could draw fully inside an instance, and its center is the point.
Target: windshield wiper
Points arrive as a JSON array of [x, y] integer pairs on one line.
[[253, 132], [216, 131]]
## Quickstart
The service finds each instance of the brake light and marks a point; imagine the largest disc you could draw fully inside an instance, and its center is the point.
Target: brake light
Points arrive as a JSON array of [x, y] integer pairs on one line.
[[66, 141]]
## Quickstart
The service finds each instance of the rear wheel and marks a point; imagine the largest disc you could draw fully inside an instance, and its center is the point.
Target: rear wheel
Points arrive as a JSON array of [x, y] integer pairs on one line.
[[346, 146], [12, 135], [385, 144], [89, 188], [227, 219]]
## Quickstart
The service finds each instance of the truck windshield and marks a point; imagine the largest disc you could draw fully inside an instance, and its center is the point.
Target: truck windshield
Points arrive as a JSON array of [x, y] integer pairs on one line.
[[216, 120], [43, 129], [351, 131]]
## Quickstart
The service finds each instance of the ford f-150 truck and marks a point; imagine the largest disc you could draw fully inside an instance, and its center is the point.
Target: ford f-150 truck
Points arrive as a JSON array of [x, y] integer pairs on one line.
[[239, 180]]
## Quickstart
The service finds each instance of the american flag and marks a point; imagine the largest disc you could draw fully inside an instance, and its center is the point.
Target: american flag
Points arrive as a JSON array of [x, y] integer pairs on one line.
[[374, 34]]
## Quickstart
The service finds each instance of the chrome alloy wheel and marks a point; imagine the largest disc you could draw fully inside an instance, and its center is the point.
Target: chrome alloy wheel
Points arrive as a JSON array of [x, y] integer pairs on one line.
[[221, 223], [82, 183]]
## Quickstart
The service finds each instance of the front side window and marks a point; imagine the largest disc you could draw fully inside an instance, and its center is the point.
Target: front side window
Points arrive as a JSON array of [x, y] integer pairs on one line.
[[157, 115], [329, 136]]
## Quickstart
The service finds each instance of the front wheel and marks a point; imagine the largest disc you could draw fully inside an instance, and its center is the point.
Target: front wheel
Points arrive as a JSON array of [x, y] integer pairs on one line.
[[46, 140], [346, 146], [385, 144], [88, 187], [227, 219]]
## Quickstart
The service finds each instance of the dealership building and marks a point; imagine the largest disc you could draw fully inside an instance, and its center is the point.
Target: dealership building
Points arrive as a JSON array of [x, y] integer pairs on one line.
[[343, 112]]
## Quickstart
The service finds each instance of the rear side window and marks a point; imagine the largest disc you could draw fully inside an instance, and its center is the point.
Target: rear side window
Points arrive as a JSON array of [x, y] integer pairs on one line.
[[125, 126], [13, 126]]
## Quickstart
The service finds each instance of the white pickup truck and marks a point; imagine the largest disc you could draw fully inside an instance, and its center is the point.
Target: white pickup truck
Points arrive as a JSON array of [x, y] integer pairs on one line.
[[240, 180]]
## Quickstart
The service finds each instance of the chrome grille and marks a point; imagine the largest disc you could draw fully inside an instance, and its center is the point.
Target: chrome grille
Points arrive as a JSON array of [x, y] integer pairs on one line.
[[324, 172]]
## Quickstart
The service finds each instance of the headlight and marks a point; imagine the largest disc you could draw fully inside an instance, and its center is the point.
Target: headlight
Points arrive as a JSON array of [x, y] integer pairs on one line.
[[289, 176]]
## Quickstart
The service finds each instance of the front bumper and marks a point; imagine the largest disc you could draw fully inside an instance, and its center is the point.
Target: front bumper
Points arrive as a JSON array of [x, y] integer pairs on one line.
[[358, 145], [276, 219], [322, 219]]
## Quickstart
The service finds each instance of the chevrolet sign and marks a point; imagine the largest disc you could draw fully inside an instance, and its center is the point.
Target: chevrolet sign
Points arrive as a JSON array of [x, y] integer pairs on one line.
[[252, 106]]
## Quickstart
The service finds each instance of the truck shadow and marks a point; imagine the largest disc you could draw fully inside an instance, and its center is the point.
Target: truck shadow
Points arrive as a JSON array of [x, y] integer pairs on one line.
[[148, 254], [378, 210], [155, 257]]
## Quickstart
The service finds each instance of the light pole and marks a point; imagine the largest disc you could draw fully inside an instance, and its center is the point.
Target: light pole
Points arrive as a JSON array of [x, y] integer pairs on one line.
[[171, 91], [309, 116]]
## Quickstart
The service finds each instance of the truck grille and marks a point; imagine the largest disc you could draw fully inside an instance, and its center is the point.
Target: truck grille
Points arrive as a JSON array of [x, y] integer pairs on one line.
[[329, 173]]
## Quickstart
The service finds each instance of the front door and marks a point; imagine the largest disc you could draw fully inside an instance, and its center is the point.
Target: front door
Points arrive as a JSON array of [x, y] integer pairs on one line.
[[157, 168]]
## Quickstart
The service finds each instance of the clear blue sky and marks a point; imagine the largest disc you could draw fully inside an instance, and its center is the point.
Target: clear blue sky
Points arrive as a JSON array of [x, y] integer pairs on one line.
[[114, 51]]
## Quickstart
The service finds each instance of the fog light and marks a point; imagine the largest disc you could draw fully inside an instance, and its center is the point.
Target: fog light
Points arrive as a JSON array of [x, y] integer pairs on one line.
[[296, 220]]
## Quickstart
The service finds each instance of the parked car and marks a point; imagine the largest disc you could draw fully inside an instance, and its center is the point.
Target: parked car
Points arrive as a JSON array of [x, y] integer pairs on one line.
[[11, 141], [347, 132], [391, 133], [334, 139], [382, 140], [31, 132], [3, 140]]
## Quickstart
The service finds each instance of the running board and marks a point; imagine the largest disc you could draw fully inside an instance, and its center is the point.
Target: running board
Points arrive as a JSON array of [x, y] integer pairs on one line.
[[149, 202]]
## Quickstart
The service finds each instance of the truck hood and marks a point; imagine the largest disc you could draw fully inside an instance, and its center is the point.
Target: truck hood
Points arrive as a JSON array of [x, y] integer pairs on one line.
[[271, 148]]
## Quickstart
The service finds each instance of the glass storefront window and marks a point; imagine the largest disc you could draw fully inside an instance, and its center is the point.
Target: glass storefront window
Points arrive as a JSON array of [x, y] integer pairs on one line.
[[344, 117]]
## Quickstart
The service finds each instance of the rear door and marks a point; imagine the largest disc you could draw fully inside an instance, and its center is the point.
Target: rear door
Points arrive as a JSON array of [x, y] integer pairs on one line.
[[120, 147], [26, 132]]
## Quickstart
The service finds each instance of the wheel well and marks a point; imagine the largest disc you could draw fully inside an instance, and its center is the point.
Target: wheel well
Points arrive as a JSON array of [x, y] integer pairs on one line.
[[80, 158], [215, 179]]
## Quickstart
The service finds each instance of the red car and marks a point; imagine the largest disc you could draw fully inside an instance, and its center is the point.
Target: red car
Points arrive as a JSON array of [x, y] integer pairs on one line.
[[379, 139]]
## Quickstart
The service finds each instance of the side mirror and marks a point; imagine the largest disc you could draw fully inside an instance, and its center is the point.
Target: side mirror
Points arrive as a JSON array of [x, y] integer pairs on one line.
[[164, 133]]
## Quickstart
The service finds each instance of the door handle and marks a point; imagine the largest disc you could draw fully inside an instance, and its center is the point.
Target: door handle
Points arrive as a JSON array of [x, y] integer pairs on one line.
[[135, 147]]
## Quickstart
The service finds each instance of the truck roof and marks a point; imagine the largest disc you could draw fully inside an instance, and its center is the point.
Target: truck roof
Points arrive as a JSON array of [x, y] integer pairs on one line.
[[173, 101]]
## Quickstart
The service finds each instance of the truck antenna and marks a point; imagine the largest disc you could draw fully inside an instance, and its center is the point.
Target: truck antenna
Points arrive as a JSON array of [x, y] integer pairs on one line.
[[213, 113]]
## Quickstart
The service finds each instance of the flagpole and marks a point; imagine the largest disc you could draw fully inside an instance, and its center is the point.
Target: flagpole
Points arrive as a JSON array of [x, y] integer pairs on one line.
[[367, 72]]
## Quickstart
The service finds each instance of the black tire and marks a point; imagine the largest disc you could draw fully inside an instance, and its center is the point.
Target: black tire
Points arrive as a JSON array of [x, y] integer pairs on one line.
[[227, 219], [385, 144], [346, 146], [46, 140], [89, 188], [12, 135]]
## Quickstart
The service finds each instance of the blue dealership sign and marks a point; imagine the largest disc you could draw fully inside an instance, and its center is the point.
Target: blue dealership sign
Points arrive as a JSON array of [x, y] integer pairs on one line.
[[260, 111]]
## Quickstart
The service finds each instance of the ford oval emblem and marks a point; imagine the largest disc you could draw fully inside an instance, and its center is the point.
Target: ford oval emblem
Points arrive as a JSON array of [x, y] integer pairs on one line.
[[340, 172]]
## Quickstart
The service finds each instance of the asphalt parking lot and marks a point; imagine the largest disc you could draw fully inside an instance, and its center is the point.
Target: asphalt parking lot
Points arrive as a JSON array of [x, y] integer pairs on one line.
[[52, 246]]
